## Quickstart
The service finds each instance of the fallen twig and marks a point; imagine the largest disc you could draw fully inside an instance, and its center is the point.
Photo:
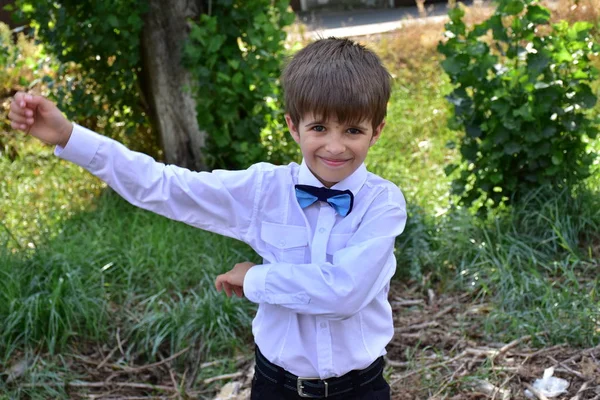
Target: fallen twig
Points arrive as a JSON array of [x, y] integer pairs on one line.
[[510, 345], [582, 389], [443, 312], [414, 327], [225, 376], [156, 364]]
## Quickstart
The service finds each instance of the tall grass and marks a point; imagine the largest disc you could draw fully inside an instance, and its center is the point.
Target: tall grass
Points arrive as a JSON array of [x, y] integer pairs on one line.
[[533, 263], [118, 267]]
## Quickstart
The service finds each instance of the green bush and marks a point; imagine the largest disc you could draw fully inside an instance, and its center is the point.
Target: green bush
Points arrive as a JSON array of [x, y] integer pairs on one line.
[[234, 54], [102, 40], [521, 98]]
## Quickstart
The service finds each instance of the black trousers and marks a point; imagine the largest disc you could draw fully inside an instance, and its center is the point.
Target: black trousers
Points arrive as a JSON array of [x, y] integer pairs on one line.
[[264, 389]]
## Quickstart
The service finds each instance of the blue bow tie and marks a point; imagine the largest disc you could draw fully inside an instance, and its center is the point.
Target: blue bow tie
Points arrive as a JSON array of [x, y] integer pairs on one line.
[[340, 200]]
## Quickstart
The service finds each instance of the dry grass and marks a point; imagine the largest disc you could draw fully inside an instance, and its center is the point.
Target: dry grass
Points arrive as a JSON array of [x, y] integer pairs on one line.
[[574, 10]]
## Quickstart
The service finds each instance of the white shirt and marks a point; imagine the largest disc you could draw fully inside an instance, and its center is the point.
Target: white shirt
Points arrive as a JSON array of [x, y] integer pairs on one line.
[[322, 290]]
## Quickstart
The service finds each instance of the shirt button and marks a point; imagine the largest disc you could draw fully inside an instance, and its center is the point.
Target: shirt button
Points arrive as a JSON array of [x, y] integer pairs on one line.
[[323, 325], [321, 230], [282, 243]]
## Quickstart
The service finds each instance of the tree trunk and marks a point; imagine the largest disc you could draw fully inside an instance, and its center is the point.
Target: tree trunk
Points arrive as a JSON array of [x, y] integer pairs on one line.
[[165, 82]]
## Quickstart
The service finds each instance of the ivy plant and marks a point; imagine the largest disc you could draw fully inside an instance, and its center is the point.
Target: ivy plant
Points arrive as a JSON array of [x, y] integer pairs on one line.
[[235, 55], [522, 97]]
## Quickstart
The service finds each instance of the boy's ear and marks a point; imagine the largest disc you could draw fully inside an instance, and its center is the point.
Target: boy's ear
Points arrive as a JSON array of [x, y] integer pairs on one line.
[[377, 133], [293, 128]]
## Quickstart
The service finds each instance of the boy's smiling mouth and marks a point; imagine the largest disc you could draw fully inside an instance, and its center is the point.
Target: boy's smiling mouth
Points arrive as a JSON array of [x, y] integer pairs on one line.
[[333, 162]]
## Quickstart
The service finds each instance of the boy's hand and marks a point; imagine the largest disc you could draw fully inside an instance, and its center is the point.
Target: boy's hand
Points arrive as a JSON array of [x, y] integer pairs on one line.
[[39, 117], [233, 281]]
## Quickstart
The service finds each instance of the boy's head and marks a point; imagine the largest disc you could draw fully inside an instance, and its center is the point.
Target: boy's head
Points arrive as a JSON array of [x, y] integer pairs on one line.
[[336, 94]]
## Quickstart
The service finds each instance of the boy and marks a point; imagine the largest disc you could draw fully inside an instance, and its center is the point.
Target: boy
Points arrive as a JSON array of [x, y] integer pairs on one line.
[[325, 228]]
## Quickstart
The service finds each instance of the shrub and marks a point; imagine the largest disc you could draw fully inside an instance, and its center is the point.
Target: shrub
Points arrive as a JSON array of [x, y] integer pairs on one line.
[[235, 56], [234, 53], [521, 98]]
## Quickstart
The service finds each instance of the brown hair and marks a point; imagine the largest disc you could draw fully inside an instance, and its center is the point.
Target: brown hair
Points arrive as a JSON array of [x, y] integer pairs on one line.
[[336, 77]]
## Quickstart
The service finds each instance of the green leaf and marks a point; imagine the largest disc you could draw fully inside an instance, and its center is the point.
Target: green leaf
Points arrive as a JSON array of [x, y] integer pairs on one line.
[[501, 135], [538, 14], [113, 21], [498, 29], [501, 106], [537, 63], [456, 64], [579, 30], [512, 7], [585, 97], [455, 14], [511, 148], [477, 50], [557, 158], [549, 131], [496, 178], [449, 169], [469, 150], [473, 131]]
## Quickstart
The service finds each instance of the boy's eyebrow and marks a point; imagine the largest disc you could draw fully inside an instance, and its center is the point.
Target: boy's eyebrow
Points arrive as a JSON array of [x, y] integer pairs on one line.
[[359, 125], [314, 122]]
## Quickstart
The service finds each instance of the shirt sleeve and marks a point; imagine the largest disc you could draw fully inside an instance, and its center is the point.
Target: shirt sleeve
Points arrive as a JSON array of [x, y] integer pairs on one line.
[[220, 201], [341, 288]]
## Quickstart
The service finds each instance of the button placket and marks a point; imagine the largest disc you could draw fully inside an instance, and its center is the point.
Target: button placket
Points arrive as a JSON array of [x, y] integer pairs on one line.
[[325, 359], [320, 239]]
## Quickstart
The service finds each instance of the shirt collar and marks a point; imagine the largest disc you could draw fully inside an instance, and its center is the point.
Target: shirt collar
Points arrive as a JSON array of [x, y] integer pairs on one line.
[[353, 182]]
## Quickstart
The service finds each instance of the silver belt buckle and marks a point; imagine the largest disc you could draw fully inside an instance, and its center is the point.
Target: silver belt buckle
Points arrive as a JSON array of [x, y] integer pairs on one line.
[[300, 388]]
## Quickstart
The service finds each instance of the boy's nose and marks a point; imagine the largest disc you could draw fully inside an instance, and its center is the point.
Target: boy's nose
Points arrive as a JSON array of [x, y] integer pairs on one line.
[[335, 146]]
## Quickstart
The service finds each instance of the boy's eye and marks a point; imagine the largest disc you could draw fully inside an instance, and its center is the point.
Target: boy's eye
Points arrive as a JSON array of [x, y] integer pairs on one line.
[[318, 128], [354, 131]]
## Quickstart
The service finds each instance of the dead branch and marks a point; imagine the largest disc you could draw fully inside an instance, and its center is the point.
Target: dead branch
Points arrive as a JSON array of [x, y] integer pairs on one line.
[[225, 376], [443, 312], [582, 389], [414, 327], [510, 345], [156, 364]]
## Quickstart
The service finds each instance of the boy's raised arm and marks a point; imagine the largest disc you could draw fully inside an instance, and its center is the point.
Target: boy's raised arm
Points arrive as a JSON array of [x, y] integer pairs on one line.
[[220, 202]]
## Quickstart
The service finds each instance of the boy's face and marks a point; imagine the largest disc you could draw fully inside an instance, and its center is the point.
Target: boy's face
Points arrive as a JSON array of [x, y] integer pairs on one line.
[[333, 151]]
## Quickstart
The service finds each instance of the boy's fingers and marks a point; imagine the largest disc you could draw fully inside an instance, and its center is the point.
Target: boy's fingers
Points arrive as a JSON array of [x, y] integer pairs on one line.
[[19, 118], [20, 98], [238, 291], [219, 283], [227, 288], [18, 126]]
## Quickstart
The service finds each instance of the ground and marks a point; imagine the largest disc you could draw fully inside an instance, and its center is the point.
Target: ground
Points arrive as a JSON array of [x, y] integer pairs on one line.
[[439, 352]]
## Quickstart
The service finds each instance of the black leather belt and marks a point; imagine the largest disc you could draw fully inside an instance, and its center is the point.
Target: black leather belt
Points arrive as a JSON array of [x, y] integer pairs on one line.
[[315, 387]]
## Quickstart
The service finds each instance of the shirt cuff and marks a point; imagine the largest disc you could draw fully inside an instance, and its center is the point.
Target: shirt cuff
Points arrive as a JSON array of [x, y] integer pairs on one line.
[[81, 147], [255, 282]]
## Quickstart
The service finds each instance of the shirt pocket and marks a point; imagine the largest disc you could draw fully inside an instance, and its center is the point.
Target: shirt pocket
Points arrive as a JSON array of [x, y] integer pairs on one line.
[[287, 242], [337, 241]]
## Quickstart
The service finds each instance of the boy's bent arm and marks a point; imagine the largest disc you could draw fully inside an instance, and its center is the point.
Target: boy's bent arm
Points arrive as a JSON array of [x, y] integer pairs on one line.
[[341, 288], [220, 202]]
